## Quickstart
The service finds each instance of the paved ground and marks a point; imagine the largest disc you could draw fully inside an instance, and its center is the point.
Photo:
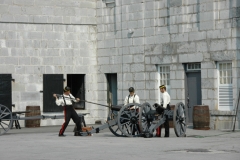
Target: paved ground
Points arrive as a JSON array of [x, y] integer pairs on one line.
[[43, 143]]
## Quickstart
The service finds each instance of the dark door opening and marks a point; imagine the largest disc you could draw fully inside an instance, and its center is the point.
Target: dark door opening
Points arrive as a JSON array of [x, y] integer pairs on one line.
[[52, 83], [112, 89], [77, 84], [6, 90], [193, 92]]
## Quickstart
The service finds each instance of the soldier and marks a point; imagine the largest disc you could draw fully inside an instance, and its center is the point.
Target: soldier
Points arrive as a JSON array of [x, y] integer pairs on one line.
[[132, 98], [66, 101], [165, 104]]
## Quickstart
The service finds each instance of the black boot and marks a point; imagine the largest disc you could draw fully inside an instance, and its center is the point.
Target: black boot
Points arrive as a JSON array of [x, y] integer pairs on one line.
[[166, 125], [78, 133], [61, 135]]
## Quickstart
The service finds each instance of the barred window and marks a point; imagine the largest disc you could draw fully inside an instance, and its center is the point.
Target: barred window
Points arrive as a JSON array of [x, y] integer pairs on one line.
[[164, 72]]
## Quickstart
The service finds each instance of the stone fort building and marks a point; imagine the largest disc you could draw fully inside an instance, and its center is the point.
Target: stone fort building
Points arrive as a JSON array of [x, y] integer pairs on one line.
[[100, 48]]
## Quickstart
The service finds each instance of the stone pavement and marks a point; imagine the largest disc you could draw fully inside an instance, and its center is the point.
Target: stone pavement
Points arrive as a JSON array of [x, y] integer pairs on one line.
[[43, 143]]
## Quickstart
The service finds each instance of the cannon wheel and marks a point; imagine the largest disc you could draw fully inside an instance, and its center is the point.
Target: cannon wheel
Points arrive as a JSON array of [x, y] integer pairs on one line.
[[5, 119], [179, 120], [128, 119], [143, 124], [114, 129]]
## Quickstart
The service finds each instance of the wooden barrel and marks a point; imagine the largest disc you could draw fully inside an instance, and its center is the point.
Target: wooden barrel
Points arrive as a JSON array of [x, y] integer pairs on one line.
[[34, 111], [201, 117]]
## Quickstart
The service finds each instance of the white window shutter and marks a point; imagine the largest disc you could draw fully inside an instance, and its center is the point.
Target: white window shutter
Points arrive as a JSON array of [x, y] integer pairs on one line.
[[225, 97]]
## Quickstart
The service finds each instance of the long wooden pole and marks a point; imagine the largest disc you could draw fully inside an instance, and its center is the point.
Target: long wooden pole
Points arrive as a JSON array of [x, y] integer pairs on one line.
[[236, 112]]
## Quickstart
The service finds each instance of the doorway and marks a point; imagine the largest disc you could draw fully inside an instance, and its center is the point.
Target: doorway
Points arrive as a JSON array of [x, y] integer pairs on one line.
[[6, 90], [77, 84], [112, 89], [193, 88]]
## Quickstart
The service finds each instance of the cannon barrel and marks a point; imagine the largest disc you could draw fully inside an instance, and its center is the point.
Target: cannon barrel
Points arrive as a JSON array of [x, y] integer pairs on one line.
[[116, 108]]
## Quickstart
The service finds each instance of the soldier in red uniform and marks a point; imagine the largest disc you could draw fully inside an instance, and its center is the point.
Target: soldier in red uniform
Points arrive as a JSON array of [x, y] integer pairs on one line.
[[66, 101]]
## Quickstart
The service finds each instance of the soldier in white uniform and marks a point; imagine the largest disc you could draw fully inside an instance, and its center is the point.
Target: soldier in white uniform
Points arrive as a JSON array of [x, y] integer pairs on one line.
[[132, 98], [165, 104]]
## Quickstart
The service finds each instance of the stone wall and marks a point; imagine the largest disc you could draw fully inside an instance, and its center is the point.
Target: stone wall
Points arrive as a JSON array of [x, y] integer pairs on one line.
[[133, 37], [127, 37], [47, 37], [224, 120], [48, 11]]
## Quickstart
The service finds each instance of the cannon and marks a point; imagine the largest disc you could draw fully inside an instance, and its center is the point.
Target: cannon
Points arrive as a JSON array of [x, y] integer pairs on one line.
[[141, 121], [150, 119], [7, 118], [123, 121]]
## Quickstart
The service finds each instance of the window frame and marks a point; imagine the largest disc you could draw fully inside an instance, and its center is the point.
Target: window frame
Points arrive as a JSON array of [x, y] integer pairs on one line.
[[226, 87], [6, 90], [52, 83], [77, 91], [193, 69], [168, 86]]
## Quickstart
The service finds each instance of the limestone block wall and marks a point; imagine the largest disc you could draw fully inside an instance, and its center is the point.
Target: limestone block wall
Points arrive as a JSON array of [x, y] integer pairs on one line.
[[133, 37], [225, 120], [48, 11], [48, 37]]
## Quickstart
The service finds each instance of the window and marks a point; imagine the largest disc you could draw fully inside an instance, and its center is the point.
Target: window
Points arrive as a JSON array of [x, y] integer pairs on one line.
[[225, 73], [110, 3], [164, 77], [77, 84], [193, 66], [6, 90], [112, 88], [225, 90], [52, 83]]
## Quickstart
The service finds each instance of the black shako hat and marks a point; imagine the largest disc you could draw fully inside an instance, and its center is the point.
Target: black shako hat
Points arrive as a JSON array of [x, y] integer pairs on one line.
[[66, 89], [131, 89]]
